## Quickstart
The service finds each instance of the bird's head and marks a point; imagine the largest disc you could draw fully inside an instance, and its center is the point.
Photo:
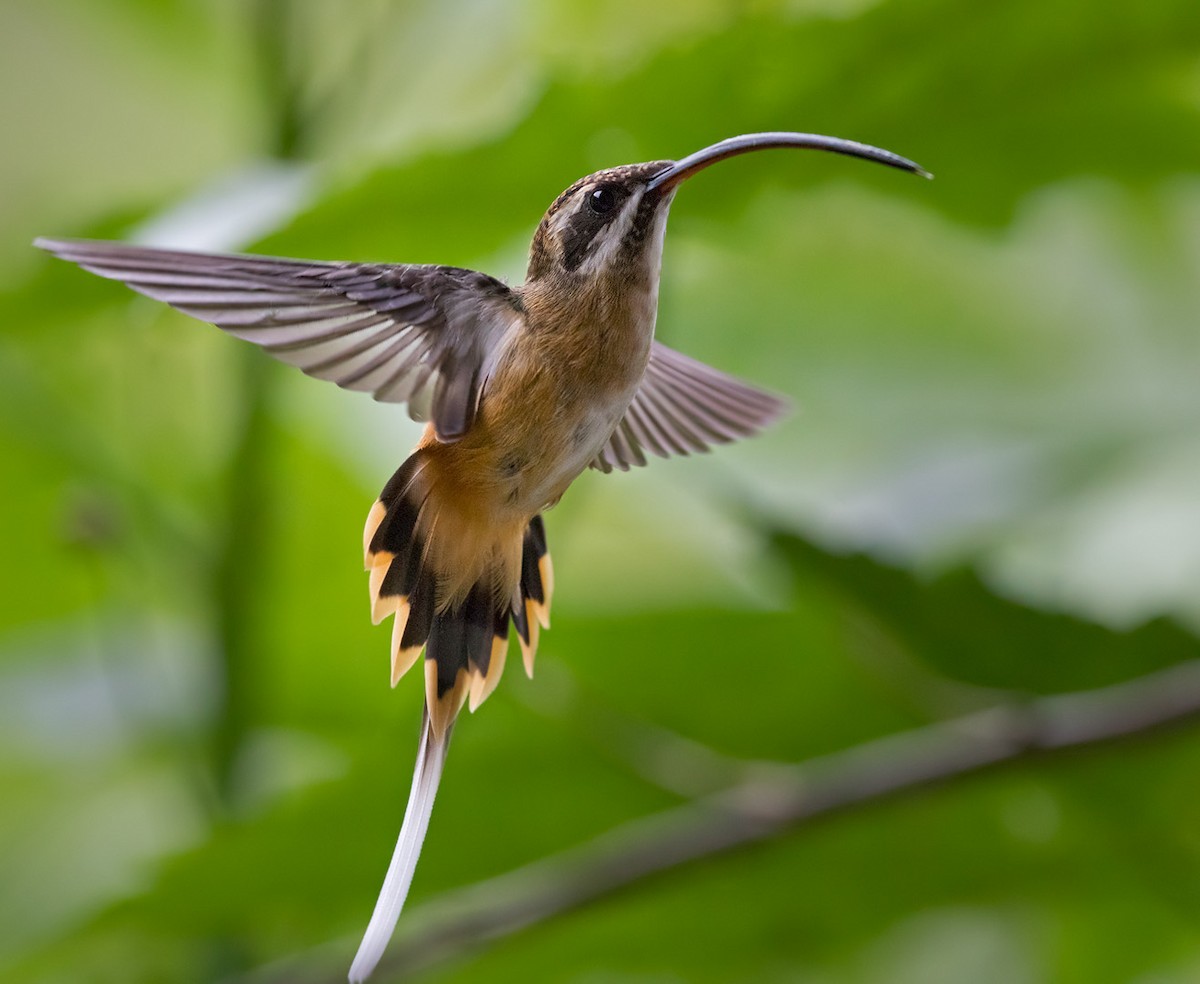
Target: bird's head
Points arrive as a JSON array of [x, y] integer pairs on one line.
[[611, 223], [606, 223]]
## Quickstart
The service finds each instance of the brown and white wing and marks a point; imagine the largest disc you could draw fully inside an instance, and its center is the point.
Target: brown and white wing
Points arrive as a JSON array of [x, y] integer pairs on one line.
[[683, 406], [426, 336]]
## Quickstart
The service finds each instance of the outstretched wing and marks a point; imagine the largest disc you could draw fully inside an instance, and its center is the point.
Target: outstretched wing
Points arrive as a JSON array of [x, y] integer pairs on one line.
[[684, 406], [426, 336]]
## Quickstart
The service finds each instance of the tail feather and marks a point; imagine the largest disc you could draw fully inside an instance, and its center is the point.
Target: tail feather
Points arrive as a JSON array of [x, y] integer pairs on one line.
[[458, 650], [431, 759], [402, 658], [482, 684], [531, 609], [465, 638], [471, 634]]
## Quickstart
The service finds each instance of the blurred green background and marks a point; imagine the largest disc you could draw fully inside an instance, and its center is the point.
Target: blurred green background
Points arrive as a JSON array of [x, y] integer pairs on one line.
[[990, 488]]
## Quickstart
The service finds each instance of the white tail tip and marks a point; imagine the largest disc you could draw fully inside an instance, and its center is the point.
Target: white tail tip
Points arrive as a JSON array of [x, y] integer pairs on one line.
[[431, 757]]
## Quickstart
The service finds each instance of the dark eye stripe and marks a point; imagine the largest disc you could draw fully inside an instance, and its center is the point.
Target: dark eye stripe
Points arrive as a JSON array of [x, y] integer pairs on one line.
[[583, 231]]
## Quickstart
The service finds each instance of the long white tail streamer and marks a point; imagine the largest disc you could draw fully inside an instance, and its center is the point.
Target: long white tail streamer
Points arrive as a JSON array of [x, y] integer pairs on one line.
[[431, 757]]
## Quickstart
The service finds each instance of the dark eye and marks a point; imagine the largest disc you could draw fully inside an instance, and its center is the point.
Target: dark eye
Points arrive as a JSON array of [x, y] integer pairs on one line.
[[602, 200]]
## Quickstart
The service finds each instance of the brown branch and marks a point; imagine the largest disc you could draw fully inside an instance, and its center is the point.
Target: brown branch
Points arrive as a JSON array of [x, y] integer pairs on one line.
[[780, 798]]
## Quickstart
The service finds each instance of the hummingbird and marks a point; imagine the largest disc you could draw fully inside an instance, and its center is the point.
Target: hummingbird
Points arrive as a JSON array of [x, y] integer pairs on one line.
[[522, 388]]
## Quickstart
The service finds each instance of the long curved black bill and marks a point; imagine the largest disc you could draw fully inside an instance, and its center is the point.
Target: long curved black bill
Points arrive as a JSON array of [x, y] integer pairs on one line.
[[685, 168]]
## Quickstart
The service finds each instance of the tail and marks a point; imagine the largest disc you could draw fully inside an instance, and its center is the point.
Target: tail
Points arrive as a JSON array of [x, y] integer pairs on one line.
[[463, 629]]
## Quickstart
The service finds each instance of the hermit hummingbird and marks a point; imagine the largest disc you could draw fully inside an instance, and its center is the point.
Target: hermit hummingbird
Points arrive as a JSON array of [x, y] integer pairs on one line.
[[523, 388]]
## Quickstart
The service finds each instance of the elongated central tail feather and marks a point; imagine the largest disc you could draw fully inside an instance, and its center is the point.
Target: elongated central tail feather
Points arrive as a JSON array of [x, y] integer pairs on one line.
[[431, 758], [461, 624]]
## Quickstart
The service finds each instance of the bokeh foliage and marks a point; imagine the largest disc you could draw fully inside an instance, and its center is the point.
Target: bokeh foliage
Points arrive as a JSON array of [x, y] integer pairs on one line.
[[989, 488]]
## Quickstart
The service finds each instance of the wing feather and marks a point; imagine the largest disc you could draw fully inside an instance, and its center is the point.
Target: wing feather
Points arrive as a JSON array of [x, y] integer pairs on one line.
[[422, 335], [684, 406]]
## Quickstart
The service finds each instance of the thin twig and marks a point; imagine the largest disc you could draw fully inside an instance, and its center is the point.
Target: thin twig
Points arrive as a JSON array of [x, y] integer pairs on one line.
[[778, 799]]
